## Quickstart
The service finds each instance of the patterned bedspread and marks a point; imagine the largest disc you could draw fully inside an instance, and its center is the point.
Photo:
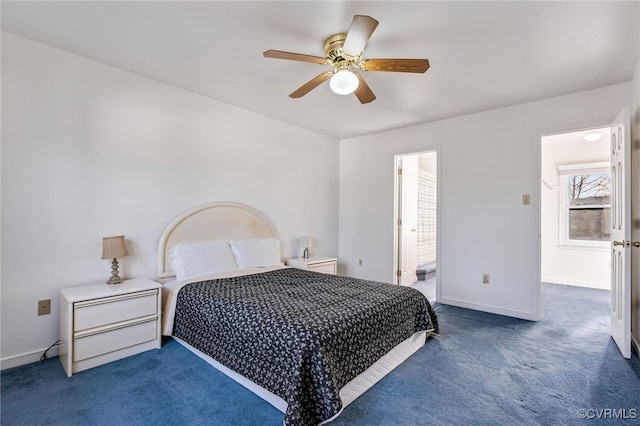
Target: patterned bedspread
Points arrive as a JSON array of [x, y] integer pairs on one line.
[[299, 334]]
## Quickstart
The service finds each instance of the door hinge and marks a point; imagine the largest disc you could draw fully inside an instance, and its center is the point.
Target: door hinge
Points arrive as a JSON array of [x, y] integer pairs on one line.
[[399, 273], [400, 171], [399, 222]]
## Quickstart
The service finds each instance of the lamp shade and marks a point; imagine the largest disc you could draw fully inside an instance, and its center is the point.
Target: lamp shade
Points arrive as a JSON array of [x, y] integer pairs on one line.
[[114, 247], [344, 82]]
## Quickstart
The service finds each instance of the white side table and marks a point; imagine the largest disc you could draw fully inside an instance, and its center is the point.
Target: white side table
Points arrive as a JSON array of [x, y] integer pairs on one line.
[[100, 323], [326, 265]]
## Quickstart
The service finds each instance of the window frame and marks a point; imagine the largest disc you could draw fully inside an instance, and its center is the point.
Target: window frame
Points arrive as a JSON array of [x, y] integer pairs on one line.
[[564, 172]]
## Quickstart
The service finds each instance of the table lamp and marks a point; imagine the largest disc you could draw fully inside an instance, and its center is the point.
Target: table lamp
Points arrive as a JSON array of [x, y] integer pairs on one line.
[[112, 248]]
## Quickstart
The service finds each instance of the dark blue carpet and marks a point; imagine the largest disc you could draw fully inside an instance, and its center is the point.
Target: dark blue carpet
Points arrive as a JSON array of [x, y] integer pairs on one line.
[[484, 369]]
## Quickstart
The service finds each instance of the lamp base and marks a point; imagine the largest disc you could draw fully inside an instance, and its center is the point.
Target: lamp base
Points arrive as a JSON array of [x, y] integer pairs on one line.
[[115, 278]]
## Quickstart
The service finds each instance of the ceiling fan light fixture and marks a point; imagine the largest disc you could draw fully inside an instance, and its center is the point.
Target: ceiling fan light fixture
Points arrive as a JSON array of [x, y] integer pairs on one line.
[[343, 52], [344, 82]]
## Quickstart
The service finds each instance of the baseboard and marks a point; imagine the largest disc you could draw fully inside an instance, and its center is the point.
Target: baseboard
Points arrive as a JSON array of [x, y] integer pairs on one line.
[[599, 286], [27, 358], [635, 345], [489, 308]]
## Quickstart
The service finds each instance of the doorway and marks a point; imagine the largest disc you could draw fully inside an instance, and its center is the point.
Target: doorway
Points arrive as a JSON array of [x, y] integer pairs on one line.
[[576, 208], [416, 221], [598, 213]]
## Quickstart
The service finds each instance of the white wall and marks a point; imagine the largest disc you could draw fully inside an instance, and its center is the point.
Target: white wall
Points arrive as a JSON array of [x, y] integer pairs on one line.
[[428, 162], [427, 208], [488, 160], [90, 151], [564, 264]]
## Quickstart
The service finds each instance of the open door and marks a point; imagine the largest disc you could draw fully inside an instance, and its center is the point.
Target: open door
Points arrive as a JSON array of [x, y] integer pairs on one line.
[[621, 233], [407, 219]]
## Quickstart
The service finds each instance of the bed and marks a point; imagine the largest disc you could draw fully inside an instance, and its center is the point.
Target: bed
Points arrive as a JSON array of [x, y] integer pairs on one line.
[[306, 342]]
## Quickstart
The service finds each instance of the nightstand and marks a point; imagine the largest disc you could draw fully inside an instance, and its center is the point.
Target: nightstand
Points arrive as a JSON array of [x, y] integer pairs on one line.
[[326, 265], [100, 323]]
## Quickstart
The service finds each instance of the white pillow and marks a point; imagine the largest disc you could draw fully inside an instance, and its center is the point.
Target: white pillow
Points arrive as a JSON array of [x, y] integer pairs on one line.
[[196, 259], [256, 253]]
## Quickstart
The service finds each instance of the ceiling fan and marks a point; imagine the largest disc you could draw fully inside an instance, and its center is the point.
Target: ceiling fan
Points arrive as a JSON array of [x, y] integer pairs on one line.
[[343, 52]]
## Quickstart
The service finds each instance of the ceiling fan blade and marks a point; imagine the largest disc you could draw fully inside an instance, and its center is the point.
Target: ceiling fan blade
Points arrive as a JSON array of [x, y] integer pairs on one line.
[[358, 35], [363, 92], [395, 65], [311, 84], [279, 54]]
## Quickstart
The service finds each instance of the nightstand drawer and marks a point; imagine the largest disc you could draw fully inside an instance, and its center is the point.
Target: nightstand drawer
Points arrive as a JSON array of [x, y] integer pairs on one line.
[[325, 268], [99, 343], [109, 310]]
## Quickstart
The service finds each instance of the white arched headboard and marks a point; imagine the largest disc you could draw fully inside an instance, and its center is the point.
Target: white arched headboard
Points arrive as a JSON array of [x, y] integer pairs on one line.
[[210, 222]]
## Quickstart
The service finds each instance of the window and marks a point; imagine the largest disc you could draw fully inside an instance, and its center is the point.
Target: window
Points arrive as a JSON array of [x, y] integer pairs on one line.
[[586, 204]]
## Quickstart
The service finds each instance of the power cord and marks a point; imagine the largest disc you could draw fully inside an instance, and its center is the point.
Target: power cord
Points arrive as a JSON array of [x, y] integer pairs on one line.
[[44, 355]]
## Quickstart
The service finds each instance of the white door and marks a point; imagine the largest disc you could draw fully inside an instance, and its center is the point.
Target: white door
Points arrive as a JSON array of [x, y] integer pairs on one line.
[[408, 219], [621, 233]]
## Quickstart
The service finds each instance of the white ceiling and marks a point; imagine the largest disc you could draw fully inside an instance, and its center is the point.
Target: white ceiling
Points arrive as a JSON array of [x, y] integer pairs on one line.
[[483, 55], [578, 137]]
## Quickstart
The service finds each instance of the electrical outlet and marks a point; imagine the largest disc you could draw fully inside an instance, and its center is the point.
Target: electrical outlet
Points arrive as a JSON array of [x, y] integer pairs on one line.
[[44, 307], [485, 279], [526, 199]]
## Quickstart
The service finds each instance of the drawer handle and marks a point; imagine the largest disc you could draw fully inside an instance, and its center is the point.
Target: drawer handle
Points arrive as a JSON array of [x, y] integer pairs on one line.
[[111, 327], [112, 299]]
